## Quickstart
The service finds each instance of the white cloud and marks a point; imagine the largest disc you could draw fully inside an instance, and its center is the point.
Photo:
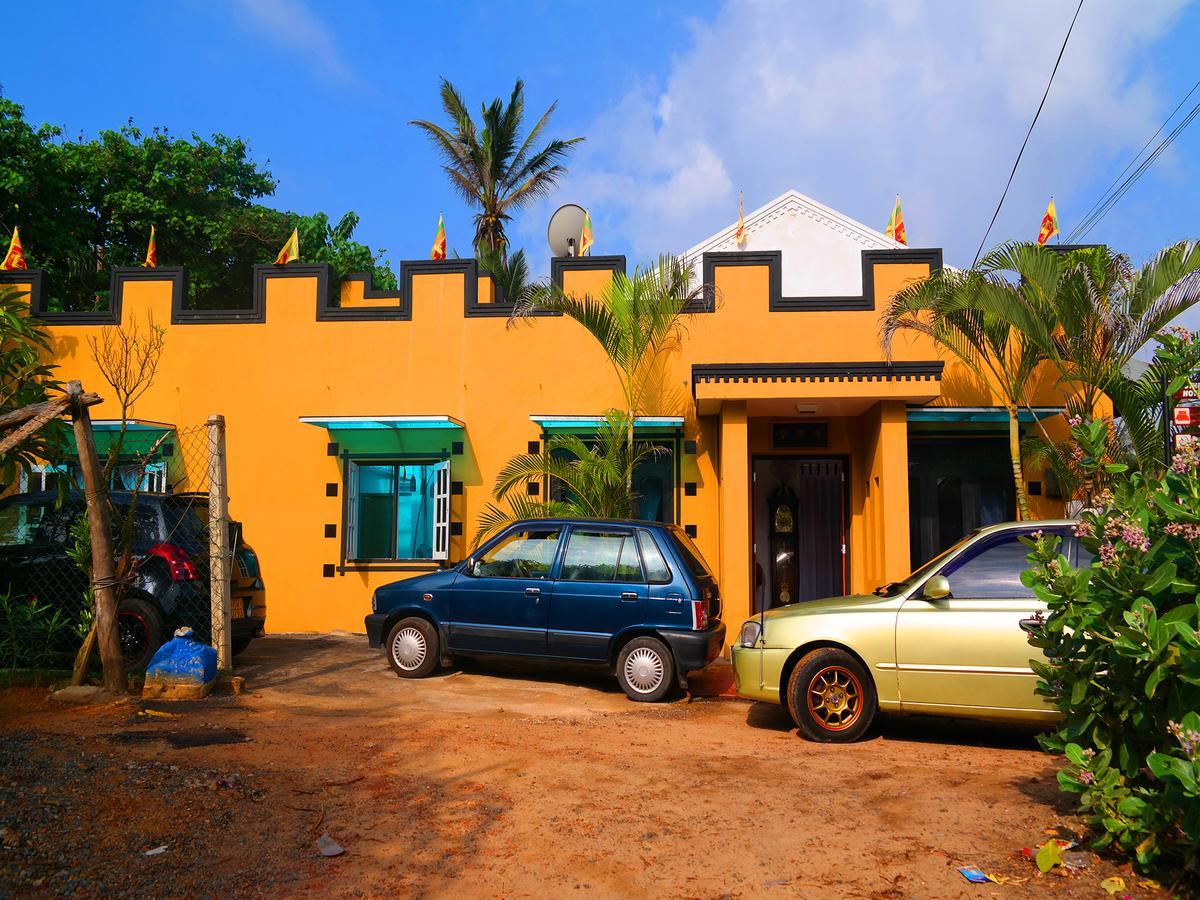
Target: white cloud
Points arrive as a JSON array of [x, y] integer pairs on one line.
[[851, 103], [291, 26]]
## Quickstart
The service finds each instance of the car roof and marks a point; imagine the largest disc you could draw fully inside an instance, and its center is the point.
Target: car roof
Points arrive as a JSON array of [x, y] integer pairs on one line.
[[562, 520], [52, 496], [1029, 524]]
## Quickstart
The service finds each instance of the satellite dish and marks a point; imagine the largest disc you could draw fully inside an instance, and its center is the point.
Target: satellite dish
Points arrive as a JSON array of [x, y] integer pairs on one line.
[[565, 227]]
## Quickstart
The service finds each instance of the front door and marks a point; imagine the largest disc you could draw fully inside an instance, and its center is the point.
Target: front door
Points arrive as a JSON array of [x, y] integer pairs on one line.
[[503, 605], [968, 650], [601, 589], [799, 530]]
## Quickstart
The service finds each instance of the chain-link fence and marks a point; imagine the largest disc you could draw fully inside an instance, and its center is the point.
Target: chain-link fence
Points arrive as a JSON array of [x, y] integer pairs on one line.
[[174, 568]]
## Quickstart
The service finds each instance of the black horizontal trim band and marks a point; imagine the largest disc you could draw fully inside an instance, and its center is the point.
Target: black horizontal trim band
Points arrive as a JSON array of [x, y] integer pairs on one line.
[[844, 371]]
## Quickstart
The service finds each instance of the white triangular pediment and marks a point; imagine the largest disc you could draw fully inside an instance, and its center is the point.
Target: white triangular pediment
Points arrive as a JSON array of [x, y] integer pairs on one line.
[[821, 248]]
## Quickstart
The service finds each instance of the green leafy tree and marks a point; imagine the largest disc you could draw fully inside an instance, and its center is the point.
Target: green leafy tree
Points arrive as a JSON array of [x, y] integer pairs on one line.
[[490, 165], [1123, 659], [593, 475], [634, 318], [25, 379], [84, 206], [956, 309]]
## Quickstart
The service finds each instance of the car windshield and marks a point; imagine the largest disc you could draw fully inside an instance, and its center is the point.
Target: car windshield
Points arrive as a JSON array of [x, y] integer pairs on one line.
[[895, 588]]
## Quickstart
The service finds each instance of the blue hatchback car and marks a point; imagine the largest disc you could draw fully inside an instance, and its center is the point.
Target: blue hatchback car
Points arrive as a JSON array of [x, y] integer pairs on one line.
[[634, 597]]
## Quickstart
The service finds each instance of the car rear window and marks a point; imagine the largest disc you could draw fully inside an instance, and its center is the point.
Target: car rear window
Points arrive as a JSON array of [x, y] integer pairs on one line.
[[657, 570], [692, 557]]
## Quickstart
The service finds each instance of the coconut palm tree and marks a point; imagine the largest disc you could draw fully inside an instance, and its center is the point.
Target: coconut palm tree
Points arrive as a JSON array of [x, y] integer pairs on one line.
[[634, 318], [490, 165], [593, 475], [953, 307]]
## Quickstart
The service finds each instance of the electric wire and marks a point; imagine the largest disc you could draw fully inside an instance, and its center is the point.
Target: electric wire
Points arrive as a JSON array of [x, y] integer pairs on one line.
[[1021, 152]]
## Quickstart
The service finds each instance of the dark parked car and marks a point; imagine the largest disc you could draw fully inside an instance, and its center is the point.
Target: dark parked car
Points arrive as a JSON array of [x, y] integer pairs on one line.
[[170, 583], [634, 597]]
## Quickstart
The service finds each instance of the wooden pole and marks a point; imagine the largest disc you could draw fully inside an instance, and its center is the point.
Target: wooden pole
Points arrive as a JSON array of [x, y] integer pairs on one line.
[[103, 572], [219, 552]]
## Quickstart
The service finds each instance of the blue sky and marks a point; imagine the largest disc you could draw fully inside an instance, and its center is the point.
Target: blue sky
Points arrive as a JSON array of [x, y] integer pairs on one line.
[[683, 104]]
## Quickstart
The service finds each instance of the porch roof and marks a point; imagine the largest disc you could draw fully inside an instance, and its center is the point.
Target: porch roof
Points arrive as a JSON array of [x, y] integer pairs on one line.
[[585, 424], [383, 423]]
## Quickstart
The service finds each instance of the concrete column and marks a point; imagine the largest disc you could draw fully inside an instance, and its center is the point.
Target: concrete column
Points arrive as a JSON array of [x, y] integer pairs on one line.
[[734, 474], [893, 443]]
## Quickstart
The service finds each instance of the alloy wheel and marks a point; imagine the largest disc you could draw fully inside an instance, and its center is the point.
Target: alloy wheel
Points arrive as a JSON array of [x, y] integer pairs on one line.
[[835, 698]]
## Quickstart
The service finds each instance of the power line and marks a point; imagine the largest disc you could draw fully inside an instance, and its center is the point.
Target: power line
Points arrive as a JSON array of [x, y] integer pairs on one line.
[[1021, 152], [1118, 188]]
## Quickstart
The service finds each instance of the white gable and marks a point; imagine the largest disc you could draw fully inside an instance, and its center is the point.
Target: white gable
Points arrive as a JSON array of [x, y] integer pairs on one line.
[[821, 248]]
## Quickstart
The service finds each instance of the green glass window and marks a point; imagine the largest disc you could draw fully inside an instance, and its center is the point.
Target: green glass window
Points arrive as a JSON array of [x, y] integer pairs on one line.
[[397, 510]]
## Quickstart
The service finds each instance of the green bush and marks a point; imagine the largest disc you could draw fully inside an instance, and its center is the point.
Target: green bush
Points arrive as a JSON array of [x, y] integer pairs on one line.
[[1123, 655]]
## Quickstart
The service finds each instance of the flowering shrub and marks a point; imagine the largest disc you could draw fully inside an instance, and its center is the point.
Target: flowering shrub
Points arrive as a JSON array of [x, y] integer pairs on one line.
[[1123, 655]]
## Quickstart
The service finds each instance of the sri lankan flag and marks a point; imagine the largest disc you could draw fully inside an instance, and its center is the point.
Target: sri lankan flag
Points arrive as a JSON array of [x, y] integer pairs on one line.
[[439, 241], [290, 251], [739, 236], [151, 252], [15, 257], [895, 225], [1049, 223], [585, 236]]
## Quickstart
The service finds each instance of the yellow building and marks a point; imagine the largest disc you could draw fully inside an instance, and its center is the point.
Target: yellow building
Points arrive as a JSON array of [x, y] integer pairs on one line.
[[366, 428]]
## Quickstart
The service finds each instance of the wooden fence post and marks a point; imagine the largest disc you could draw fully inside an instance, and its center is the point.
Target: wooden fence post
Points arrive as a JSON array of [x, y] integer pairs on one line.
[[219, 552], [99, 527]]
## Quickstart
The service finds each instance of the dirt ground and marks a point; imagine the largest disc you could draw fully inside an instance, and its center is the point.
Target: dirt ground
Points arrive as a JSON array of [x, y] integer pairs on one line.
[[507, 781]]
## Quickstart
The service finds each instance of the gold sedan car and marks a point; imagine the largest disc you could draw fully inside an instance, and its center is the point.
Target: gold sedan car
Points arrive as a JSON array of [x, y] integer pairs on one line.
[[950, 640]]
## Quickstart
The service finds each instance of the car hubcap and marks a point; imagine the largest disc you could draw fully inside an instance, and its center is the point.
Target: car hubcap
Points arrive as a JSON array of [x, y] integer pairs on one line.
[[835, 698], [644, 670], [409, 648]]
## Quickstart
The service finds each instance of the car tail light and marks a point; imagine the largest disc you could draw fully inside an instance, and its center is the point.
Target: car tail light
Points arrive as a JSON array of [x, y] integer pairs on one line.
[[178, 562], [699, 615]]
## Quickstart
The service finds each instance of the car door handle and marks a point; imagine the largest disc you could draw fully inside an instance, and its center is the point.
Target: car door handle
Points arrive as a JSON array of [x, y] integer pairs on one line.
[[533, 592], [1033, 624], [629, 595]]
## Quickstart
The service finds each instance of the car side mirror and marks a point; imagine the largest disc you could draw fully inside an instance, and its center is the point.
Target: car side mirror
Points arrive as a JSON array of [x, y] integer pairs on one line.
[[937, 587], [471, 564]]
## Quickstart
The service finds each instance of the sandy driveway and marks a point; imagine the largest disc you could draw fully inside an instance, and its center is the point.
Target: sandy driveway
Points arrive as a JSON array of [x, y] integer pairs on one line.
[[505, 781]]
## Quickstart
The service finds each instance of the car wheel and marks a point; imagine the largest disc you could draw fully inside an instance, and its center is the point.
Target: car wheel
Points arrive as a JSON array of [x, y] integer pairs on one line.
[[831, 696], [139, 632], [646, 670], [239, 644], [412, 648]]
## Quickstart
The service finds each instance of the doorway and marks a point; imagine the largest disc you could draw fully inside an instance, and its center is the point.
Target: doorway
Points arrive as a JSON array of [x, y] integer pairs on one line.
[[799, 530]]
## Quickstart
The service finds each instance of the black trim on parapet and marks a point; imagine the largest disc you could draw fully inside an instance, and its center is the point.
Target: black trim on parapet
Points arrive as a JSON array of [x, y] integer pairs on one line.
[[123, 274], [561, 264], [773, 260], [35, 279], [924, 370]]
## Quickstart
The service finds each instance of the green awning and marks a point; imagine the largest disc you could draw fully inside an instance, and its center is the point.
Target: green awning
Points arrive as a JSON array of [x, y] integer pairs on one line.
[[990, 415], [589, 424], [141, 437], [404, 435]]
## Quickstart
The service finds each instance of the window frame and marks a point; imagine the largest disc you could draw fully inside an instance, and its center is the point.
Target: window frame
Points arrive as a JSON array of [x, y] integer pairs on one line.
[[522, 528], [672, 441], [441, 509], [630, 535], [982, 545]]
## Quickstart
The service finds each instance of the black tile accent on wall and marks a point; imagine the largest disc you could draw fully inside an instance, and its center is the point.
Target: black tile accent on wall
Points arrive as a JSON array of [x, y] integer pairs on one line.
[[689, 489], [689, 447], [328, 570], [332, 450], [689, 530], [532, 488], [456, 528], [456, 448], [330, 531], [331, 489], [456, 487], [535, 447]]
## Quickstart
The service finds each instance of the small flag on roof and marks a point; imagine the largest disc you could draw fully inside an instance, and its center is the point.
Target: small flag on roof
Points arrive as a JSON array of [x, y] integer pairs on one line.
[[439, 241], [290, 251], [1049, 223], [739, 236], [895, 226], [151, 252], [15, 257], [585, 237]]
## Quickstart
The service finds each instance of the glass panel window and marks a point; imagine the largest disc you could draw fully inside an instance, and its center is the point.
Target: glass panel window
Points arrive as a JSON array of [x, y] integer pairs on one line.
[[394, 509], [992, 571], [19, 524], [520, 554], [653, 481], [601, 556], [657, 570]]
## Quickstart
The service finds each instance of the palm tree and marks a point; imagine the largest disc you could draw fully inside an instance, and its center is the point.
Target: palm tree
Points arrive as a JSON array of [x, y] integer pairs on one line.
[[1091, 312], [634, 318], [490, 165], [593, 475], [511, 273], [953, 308]]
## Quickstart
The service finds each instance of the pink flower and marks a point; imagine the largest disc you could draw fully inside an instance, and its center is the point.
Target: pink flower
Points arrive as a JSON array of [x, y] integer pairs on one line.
[[1083, 528]]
